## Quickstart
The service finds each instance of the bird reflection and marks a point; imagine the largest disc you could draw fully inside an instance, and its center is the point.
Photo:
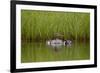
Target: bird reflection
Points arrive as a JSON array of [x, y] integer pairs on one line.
[[57, 44]]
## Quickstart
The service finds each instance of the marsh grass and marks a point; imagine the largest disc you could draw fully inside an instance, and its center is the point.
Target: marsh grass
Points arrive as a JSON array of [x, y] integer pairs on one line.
[[42, 25]]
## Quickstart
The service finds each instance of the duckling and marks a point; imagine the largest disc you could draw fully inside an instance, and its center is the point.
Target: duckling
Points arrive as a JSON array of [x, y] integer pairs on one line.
[[67, 42]]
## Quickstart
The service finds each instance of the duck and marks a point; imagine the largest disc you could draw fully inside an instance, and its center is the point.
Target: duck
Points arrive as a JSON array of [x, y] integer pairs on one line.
[[55, 43], [59, 42]]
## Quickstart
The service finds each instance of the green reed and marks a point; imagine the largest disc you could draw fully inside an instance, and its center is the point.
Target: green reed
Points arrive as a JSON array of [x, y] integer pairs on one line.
[[42, 25]]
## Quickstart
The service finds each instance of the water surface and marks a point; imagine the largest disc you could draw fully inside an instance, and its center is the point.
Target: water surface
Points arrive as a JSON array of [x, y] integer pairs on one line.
[[41, 52]]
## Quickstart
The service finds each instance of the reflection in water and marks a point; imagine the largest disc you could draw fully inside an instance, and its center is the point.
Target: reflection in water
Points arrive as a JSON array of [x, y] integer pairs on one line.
[[58, 46], [41, 52]]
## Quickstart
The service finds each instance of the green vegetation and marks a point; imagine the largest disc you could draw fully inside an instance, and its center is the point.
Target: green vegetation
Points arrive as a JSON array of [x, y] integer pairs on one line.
[[39, 26], [42, 25]]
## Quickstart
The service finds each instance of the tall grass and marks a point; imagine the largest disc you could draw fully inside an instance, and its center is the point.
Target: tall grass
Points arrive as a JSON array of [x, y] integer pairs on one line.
[[42, 25]]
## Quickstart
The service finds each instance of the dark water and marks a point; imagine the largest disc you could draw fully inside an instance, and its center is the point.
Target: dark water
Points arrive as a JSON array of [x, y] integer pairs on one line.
[[41, 52]]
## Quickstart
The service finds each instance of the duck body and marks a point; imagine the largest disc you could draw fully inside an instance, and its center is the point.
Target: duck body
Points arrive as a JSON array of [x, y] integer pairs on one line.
[[55, 43]]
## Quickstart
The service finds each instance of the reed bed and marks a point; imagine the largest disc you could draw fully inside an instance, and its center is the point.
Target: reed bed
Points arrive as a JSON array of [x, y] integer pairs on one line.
[[43, 25]]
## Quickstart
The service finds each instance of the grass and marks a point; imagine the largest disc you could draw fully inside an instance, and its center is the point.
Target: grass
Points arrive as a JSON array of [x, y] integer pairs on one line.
[[42, 25]]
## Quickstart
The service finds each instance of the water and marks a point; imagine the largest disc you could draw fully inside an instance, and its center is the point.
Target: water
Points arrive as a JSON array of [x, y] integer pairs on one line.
[[41, 52]]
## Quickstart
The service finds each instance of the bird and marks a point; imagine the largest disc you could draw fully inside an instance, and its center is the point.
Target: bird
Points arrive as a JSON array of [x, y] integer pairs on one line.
[[54, 41], [67, 42]]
